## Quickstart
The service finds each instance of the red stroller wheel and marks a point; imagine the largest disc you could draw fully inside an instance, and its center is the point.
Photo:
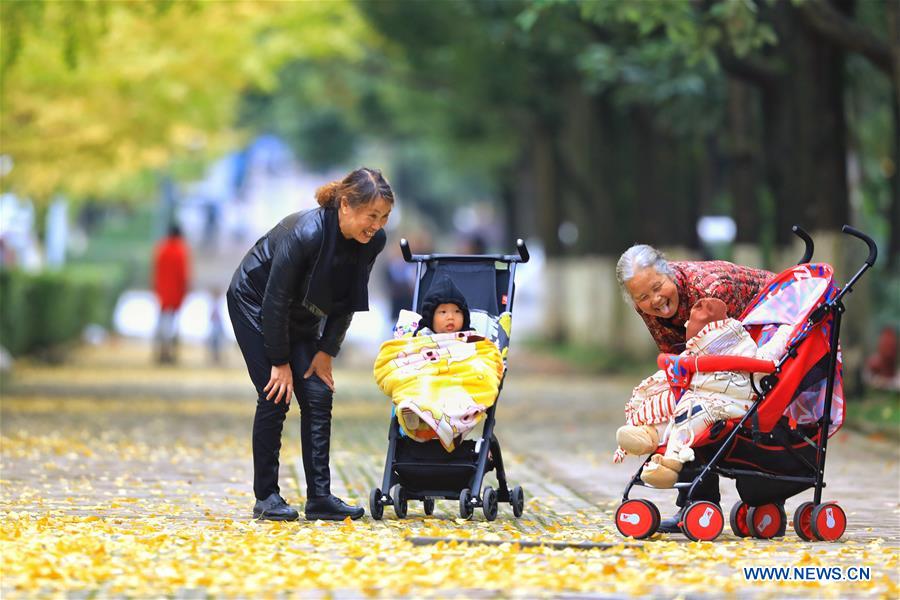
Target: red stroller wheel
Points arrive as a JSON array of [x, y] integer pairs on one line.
[[738, 519], [803, 521], [702, 521], [828, 521], [638, 519], [766, 521]]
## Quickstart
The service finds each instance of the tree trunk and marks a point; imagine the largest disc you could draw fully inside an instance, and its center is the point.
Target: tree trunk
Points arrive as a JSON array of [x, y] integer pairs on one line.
[[893, 27], [893, 212], [547, 185], [743, 156], [805, 130], [583, 190], [615, 148]]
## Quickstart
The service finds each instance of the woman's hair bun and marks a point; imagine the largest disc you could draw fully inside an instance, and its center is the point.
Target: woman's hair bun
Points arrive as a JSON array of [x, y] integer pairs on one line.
[[327, 195], [358, 187]]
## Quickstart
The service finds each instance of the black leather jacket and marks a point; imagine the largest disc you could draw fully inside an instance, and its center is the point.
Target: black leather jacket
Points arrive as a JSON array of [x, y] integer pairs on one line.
[[283, 285]]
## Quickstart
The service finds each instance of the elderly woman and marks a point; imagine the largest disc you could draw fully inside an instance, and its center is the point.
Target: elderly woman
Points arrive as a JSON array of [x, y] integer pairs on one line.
[[663, 293]]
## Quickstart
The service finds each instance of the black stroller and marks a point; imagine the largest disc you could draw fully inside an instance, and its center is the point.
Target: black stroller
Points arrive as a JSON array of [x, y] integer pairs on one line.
[[425, 471]]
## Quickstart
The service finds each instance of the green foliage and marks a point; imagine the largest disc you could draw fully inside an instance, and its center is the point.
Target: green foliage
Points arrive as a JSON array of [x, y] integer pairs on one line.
[[877, 412], [48, 309], [694, 33], [313, 107], [467, 99], [124, 242]]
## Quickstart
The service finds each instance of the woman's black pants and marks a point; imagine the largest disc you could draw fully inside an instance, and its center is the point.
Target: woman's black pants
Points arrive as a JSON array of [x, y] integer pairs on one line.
[[314, 398]]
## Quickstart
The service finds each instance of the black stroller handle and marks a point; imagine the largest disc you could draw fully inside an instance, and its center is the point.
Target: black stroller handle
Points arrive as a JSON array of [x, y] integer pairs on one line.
[[404, 248], [522, 257], [523, 250], [810, 247], [873, 249]]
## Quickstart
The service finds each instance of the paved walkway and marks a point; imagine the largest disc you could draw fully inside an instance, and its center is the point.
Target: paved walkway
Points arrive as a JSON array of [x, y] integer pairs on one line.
[[122, 478]]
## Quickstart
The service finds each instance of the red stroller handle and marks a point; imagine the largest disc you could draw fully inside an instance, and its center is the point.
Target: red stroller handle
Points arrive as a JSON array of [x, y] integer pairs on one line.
[[707, 364]]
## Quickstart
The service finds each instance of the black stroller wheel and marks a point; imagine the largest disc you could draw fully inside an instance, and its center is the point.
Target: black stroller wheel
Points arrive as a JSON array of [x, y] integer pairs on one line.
[[376, 508], [738, 519], [465, 506], [803, 521], [517, 499], [428, 505], [401, 504], [489, 503]]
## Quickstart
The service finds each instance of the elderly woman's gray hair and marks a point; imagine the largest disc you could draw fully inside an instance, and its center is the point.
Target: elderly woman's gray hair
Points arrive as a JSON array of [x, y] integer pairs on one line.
[[636, 258]]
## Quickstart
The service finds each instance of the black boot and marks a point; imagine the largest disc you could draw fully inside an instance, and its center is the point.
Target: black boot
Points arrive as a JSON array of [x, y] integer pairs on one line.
[[331, 508], [274, 508], [315, 440], [670, 525]]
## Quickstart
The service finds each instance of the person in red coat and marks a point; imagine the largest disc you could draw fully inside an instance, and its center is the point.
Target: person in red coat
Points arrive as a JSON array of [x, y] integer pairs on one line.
[[171, 273]]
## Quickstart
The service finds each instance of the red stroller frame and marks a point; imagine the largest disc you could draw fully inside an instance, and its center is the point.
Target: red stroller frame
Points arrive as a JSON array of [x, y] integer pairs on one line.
[[760, 516]]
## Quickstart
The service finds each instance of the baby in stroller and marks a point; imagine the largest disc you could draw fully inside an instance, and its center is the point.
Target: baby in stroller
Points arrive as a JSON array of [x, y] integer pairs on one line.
[[440, 374], [653, 414]]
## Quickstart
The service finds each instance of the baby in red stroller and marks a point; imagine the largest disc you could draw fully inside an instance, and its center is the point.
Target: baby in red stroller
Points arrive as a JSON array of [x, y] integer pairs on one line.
[[653, 413], [777, 448]]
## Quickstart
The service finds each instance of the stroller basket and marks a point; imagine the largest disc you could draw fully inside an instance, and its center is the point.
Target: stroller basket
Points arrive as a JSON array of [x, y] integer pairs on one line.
[[423, 466]]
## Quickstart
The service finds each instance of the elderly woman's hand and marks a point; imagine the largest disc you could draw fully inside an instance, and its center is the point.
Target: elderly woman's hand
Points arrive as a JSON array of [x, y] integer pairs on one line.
[[281, 383], [321, 366]]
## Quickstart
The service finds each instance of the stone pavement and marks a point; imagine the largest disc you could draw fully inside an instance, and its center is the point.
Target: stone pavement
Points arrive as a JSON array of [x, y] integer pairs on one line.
[[112, 438]]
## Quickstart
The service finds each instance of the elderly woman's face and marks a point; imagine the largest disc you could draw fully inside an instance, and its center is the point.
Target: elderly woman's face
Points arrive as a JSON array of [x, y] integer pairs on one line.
[[653, 293]]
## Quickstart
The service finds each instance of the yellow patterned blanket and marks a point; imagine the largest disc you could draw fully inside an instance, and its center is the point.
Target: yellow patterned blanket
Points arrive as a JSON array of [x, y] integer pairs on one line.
[[441, 384]]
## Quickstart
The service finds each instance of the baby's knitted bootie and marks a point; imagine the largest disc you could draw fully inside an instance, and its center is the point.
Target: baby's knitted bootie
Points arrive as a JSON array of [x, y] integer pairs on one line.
[[661, 471], [637, 439]]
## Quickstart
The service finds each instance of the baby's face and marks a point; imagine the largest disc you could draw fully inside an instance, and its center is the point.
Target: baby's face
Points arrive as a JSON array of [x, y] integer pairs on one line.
[[448, 318], [704, 312]]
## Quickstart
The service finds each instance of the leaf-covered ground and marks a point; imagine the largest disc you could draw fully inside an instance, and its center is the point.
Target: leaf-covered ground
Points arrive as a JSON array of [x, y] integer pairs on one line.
[[122, 479]]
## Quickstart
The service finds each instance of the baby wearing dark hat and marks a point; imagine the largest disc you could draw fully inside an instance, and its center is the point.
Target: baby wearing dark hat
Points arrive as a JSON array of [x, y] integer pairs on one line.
[[444, 309]]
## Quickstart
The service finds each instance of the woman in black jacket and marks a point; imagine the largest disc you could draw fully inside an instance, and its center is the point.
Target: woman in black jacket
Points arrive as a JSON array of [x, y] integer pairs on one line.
[[308, 274]]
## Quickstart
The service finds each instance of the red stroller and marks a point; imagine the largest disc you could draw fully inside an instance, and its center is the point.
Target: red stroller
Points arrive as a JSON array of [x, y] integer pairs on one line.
[[782, 438]]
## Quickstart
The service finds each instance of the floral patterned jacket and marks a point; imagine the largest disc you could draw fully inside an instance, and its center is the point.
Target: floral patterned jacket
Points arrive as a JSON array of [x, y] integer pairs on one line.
[[735, 285]]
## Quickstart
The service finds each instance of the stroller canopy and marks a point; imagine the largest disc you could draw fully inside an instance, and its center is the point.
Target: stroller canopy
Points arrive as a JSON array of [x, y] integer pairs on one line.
[[791, 298]]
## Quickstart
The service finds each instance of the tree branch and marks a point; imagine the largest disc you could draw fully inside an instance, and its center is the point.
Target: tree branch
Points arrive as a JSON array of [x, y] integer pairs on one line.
[[832, 25], [755, 71]]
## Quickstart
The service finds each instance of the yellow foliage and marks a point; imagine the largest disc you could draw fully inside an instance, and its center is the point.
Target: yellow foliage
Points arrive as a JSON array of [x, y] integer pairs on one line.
[[148, 86]]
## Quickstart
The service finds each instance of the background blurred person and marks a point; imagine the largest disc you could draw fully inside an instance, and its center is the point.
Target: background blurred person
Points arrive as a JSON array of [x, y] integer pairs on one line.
[[216, 336], [171, 275]]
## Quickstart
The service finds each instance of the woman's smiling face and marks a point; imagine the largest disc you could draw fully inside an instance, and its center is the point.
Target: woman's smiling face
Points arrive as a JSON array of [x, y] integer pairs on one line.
[[364, 221], [653, 293]]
